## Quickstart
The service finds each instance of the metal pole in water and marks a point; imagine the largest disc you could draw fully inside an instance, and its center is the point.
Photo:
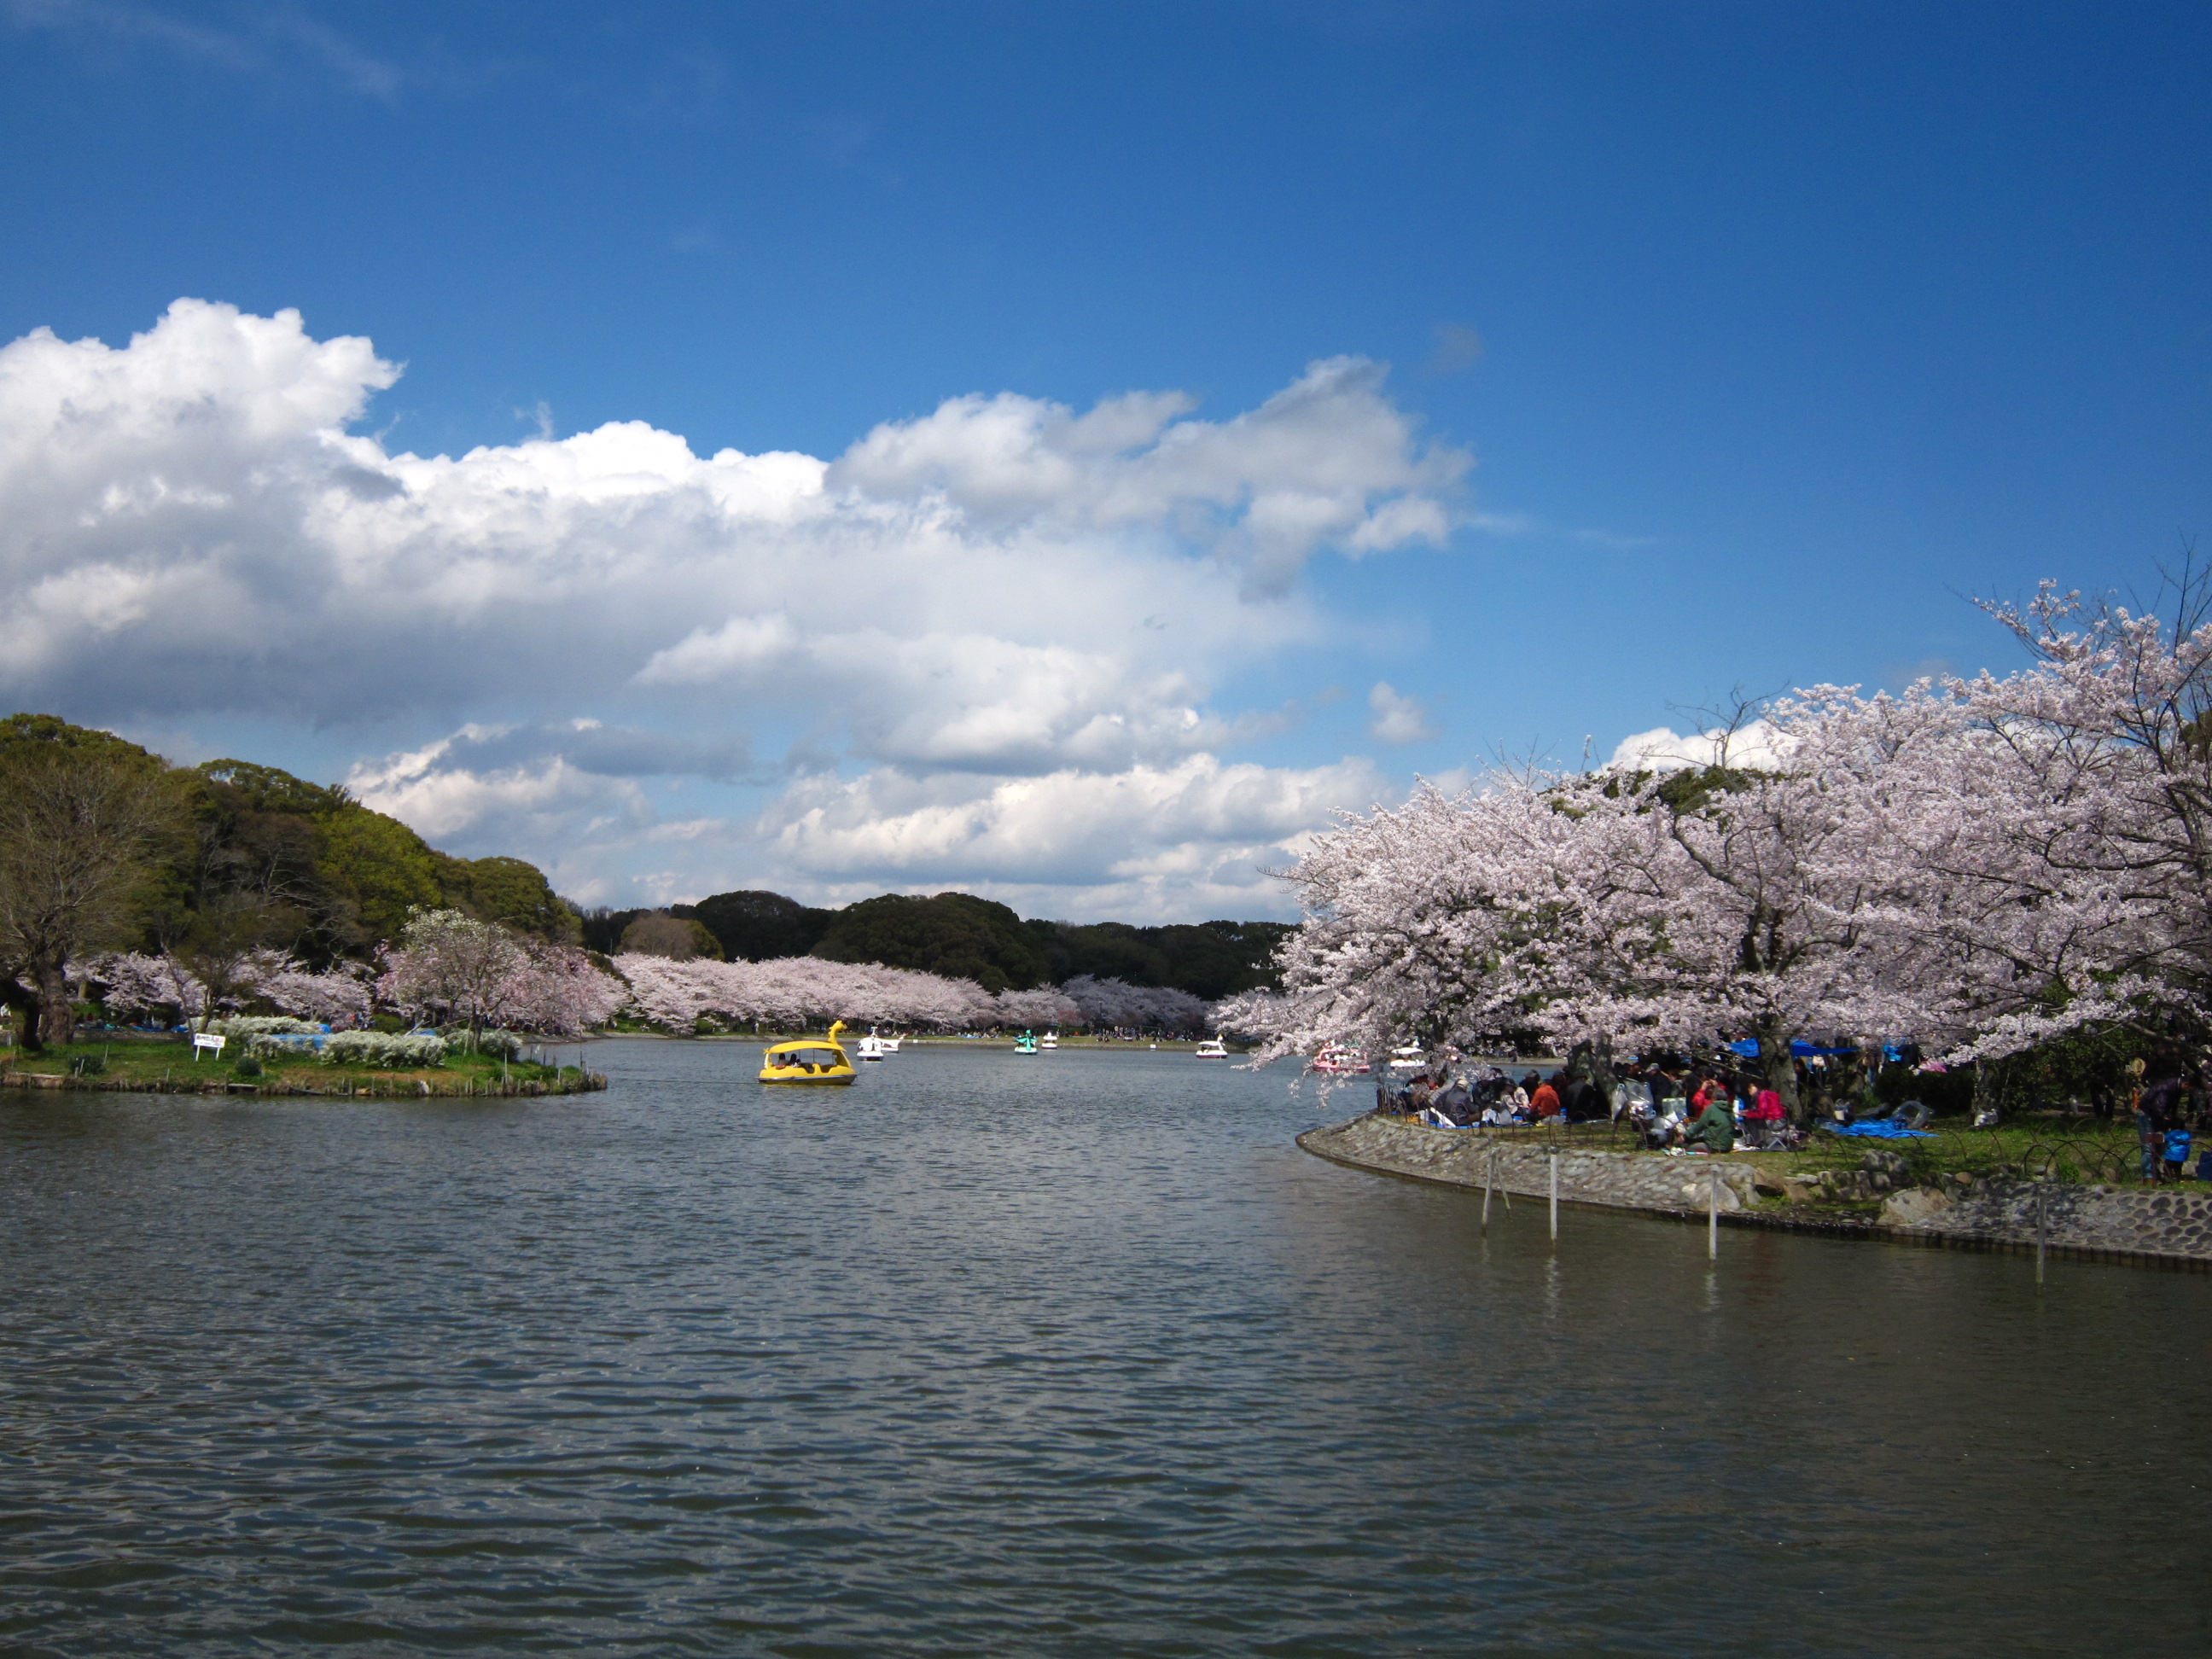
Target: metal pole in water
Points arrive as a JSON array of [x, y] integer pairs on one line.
[[1555, 1196], [1489, 1180], [1712, 1215]]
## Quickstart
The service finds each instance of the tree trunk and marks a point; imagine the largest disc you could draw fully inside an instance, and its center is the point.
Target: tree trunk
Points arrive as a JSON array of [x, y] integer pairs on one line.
[[1987, 1080], [1779, 1065], [1601, 1074], [56, 1017]]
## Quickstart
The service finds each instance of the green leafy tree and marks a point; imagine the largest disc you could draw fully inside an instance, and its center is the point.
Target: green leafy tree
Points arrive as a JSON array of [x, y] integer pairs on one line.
[[513, 893], [955, 934], [84, 817], [759, 926], [379, 867], [680, 939]]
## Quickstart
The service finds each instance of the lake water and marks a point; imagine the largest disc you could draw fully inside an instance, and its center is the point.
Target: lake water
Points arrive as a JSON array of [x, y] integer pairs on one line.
[[1075, 1355]]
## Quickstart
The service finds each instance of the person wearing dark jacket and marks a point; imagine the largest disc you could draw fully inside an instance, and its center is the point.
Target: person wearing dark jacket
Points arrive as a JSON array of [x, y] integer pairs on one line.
[[1579, 1099]]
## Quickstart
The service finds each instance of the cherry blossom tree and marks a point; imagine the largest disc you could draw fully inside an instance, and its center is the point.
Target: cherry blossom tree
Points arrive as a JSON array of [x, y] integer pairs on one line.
[[1113, 1003], [1653, 908], [130, 983], [788, 991], [2061, 831]]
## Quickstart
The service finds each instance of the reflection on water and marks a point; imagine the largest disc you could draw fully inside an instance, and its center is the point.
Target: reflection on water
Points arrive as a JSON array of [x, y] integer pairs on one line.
[[1070, 1355]]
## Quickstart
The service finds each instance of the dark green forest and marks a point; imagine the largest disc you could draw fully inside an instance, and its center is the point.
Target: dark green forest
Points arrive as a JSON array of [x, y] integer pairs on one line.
[[960, 935]]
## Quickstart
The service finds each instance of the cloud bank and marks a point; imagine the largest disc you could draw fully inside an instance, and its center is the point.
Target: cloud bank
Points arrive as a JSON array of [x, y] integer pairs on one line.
[[980, 646]]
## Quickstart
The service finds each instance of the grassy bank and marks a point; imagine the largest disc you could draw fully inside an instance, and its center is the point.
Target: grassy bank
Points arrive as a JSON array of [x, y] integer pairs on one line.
[[2051, 1146], [167, 1068]]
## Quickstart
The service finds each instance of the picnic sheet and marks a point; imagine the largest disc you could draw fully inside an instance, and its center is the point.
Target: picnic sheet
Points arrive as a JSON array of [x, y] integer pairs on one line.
[[1880, 1129]]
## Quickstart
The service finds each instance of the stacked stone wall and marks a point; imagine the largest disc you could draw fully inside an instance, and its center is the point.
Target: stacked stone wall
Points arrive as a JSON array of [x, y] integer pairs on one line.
[[1462, 1157], [2173, 1225]]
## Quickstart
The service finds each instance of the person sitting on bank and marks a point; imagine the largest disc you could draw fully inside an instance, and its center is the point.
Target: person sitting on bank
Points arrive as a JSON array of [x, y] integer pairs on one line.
[[1456, 1102], [1764, 1119], [1545, 1102], [1631, 1098], [1715, 1129]]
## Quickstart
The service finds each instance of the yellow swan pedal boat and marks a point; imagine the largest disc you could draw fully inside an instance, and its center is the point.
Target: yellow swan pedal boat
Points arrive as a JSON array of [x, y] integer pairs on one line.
[[810, 1060]]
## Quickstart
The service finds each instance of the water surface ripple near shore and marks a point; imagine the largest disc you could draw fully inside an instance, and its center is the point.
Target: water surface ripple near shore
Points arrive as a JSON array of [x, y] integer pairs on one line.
[[1071, 1355]]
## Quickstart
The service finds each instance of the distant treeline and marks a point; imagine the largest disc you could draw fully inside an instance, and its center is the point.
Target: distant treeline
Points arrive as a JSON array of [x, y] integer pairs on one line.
[[955, 934]]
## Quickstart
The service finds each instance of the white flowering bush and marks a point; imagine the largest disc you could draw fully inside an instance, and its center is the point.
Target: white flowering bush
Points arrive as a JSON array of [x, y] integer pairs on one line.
[[385, 1050], [254, 1025], [506, 1045]]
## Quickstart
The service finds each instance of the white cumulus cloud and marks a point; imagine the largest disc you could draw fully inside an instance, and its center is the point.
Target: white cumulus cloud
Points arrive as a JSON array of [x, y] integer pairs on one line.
[[1663, 748], [1004, 591], [1397, 717]]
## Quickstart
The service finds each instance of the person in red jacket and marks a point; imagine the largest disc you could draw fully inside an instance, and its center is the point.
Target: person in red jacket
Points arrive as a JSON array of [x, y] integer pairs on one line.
[[1765, 1117], [1545, 1103]]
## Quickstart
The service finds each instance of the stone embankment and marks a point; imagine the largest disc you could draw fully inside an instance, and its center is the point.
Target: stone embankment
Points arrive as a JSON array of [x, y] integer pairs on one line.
[[2170, 1226], [1460, 1157]]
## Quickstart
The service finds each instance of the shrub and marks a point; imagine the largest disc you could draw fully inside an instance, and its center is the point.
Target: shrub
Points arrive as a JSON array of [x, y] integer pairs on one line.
[[253, 1025], [504, 1044], [249, 1067], [384, 1050], [273, 1045]]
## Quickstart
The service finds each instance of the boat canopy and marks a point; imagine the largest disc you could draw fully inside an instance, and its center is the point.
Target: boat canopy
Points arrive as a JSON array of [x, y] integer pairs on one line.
[[805, 1054]]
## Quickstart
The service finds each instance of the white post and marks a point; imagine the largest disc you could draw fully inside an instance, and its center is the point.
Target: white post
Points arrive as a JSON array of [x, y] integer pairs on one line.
[[1555, 1197], [1713, 1215], [1489, 1181]]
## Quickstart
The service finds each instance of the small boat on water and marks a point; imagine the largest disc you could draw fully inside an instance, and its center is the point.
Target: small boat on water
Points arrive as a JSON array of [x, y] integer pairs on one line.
[[1409, 1058], [1025, 1044], [815, 1060], [1049, 1040], [870, 1046], [889, 1045], [1212, 1048], [1341, 1059]]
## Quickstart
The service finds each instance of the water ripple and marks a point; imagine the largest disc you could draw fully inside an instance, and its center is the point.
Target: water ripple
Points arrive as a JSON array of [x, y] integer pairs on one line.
[[1065, 1356]]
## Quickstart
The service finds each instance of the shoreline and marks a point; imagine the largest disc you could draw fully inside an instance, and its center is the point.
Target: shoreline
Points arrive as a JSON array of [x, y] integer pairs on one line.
[[2161, 1227], [350, 1086]]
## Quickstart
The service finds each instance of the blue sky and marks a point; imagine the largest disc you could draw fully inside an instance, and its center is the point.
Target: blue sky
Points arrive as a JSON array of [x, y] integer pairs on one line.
[[1727, 345]]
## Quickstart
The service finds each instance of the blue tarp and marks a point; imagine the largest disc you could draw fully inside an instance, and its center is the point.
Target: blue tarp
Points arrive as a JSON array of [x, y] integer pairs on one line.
[[1749, 1049], [1880, 1129]]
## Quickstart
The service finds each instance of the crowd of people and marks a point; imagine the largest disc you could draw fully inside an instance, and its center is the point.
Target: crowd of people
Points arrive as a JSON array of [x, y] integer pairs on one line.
[[1682, 1108], [1678, 1108]]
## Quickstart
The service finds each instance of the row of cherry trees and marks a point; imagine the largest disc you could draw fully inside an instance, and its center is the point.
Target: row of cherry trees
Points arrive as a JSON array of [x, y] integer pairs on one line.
[[788, 991], [447, 968], [1982, 865], [451, 968], [132, 984]]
